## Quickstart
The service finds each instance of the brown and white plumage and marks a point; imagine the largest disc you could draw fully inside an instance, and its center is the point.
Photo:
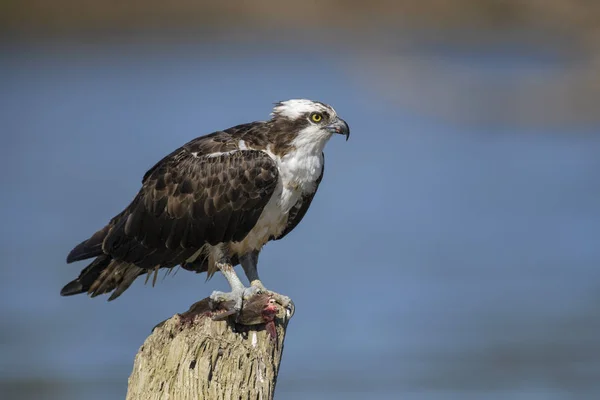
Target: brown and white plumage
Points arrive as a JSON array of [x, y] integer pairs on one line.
[[217, 199]]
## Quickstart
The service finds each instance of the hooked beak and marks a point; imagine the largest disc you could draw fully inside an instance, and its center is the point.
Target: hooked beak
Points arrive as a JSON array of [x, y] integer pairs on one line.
[[339, 126]]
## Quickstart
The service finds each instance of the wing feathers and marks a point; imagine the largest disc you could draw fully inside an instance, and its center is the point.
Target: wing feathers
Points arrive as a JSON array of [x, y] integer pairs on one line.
[[190, 201]]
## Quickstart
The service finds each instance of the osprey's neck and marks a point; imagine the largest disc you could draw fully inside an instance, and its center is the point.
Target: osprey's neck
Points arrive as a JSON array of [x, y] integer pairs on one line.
[[310, 141], [302, 165]]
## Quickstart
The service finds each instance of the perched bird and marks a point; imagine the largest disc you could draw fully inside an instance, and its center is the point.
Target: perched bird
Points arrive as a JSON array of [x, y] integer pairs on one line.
[[214, 203]]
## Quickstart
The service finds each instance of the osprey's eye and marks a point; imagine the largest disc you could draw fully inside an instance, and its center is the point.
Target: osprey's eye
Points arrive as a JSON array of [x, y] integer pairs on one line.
[[316, 117]]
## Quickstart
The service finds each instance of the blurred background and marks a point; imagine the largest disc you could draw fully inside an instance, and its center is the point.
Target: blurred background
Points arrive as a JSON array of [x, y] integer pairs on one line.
[[451, 253]]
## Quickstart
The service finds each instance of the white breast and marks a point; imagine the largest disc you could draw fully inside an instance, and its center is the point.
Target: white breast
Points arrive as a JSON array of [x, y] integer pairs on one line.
[[298, 173]]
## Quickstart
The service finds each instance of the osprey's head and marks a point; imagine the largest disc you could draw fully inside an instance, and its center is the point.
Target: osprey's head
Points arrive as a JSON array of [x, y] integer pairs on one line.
[[310, 121]]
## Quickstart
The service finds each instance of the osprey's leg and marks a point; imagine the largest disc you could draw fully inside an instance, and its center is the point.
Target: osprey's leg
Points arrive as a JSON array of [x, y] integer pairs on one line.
[[249, 262], [232, 300]]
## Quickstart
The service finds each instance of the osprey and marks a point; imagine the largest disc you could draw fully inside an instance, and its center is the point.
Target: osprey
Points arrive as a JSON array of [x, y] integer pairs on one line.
[[214, 203]]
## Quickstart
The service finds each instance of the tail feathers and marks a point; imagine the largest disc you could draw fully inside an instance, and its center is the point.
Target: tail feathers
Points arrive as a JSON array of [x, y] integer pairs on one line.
[[117, 276], [89, 248], [104, 275], [87, 277], [131, 273], [72, 288]]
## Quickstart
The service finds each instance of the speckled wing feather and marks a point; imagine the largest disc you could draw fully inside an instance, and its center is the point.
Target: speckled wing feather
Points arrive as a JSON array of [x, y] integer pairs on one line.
[[192, 200], [207, 191]]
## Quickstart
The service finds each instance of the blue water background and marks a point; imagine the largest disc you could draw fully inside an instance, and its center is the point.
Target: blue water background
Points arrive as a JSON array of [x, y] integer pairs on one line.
[[438, 260]]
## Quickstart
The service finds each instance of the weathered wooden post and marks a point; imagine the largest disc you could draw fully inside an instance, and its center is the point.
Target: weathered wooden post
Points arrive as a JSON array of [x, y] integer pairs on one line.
[[195, 355]]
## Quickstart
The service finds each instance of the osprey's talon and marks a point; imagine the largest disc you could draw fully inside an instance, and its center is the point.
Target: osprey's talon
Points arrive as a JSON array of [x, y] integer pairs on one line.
[[286, 302], [280, 299], [291, 309], [252, 291], [230, 301]]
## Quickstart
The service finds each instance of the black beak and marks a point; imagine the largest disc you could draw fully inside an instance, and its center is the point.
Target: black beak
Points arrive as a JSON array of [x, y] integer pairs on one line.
[[340, 126]]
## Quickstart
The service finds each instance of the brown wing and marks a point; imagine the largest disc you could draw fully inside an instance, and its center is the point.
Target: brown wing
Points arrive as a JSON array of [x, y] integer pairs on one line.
[[301, 207], [190, 200]]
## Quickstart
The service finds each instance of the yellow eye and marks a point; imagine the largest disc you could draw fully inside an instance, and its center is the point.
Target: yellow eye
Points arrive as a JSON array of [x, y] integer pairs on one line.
[[316, 117]]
